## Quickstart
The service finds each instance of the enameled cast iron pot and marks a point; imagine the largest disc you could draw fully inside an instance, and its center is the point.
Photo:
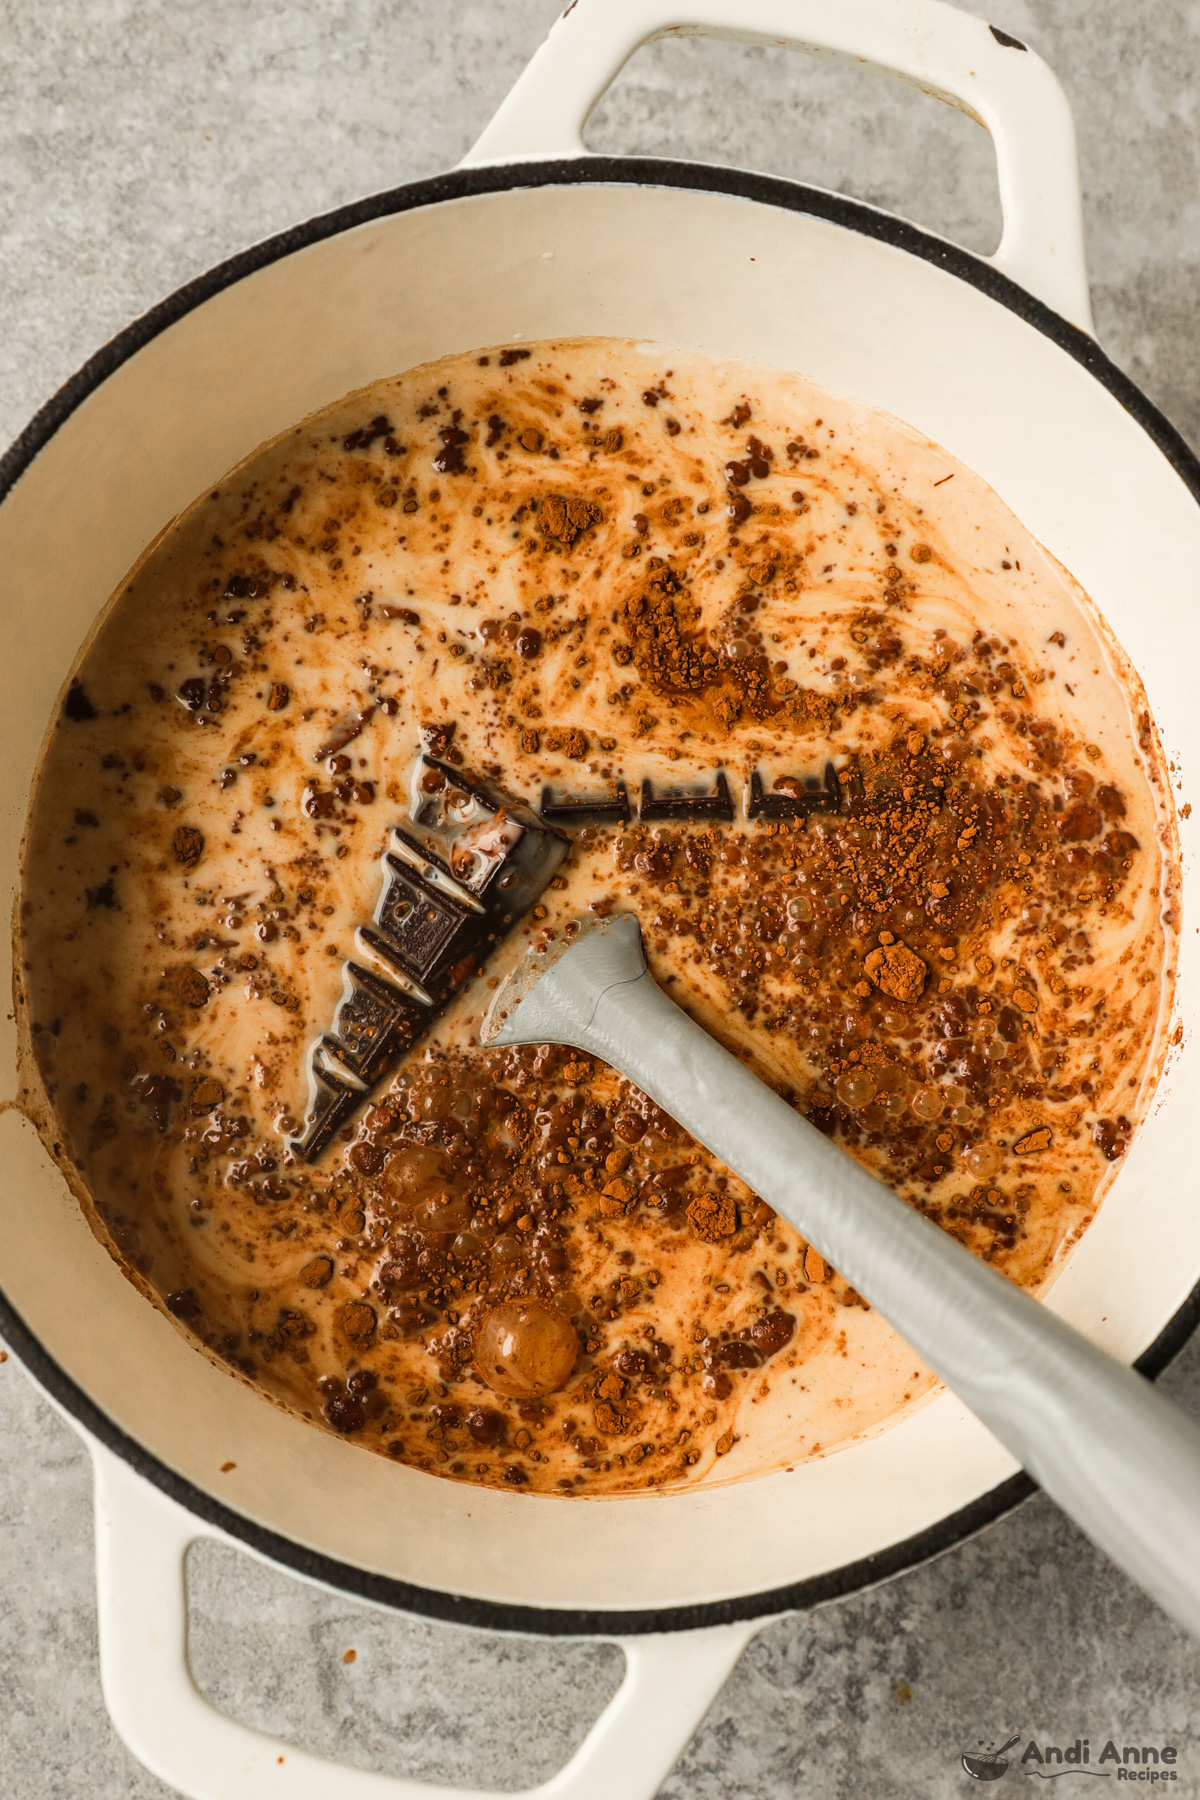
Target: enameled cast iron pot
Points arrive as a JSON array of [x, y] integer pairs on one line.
[[532, 238]]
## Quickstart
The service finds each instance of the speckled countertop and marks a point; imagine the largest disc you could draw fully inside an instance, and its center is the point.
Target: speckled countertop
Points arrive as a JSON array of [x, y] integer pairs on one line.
[[142, 141]]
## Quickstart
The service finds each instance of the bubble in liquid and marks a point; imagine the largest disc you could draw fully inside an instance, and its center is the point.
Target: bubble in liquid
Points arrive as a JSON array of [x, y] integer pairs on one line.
[[525, 1349], [799, 909], [927, 1102], [858, 1088], [445, 1212], [982, 1161]]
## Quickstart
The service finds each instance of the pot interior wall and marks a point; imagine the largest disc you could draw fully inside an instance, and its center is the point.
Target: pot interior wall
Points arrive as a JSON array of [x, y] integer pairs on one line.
[[704, 270]]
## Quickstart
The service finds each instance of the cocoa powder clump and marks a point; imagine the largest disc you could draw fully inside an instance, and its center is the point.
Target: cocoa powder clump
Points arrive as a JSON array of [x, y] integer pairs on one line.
[[712, 1217], [188, 845], [358, 1320], [897, 970], [191, 986], [565, 517], [670, 658]]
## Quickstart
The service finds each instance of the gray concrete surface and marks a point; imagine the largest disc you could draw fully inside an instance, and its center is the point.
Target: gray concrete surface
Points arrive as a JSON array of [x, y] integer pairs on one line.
[[141, 141]]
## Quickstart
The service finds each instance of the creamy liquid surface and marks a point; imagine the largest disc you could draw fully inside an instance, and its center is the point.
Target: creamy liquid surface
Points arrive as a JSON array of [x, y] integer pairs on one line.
[[570, 566]]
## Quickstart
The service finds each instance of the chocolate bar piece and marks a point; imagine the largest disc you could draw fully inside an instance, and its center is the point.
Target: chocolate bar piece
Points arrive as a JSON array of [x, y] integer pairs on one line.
[[850, 782], [841, 791], [800, 799], [331, 1105], [585, 809], [422, 927], [717, 805], [473, 864], [375, 1024]]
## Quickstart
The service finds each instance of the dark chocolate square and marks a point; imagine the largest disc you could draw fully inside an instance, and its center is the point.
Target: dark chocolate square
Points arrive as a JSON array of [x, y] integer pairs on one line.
[[424, 928]]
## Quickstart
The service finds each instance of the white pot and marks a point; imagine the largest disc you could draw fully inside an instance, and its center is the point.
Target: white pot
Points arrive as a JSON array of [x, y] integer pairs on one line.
[[531, 238]]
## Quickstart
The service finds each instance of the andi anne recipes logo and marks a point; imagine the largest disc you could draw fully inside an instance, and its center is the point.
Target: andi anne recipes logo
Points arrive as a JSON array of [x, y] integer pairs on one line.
[[1140, 1762]]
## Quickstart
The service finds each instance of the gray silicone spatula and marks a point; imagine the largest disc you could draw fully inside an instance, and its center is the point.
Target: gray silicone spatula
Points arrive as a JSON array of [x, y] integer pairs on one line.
[[1112, 1451]]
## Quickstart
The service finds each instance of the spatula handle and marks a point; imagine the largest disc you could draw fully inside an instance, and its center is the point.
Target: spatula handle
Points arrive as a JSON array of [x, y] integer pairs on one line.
[[1114, 1453]]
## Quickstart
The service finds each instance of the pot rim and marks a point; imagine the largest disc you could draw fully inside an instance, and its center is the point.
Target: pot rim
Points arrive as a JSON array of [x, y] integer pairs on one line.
[[854, 215]]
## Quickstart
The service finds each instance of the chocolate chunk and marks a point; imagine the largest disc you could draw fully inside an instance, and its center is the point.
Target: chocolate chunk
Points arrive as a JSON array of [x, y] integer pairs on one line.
[[365, 436], [1080, 822], [278, 695], [317, 1273], [487, 1426], [1033, 1141], [343, 1410], [436, 741], [449, 459], [773, 1331], [717, 805], [77, 706], [344, 733], [188, 845], [1111, 1137], [247, 587], [368, 1158]]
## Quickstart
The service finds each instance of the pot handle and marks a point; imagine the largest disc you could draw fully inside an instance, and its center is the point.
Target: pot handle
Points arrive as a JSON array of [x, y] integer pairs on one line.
[[984, 72], [142, 1540]]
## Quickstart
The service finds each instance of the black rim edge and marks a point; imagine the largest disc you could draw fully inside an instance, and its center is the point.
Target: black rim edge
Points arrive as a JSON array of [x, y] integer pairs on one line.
[[459, 184]]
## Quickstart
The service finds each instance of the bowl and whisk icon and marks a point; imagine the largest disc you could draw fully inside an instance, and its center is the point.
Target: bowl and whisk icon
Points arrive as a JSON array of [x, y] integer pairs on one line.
[[991, 1765]]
